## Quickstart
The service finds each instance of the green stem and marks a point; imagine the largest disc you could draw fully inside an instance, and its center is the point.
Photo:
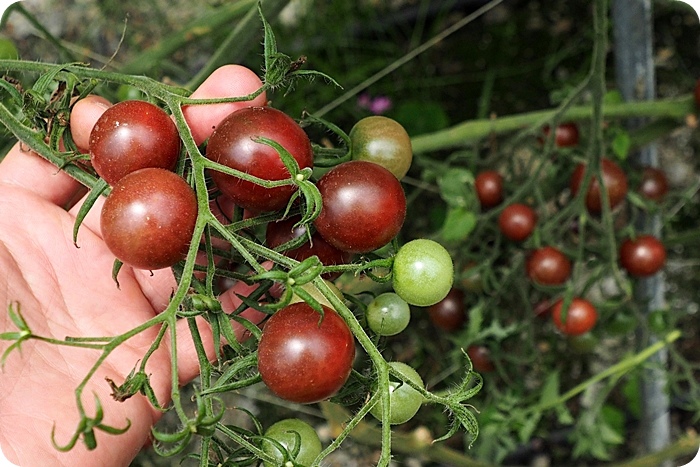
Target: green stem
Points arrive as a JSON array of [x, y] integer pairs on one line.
[[474, 130]]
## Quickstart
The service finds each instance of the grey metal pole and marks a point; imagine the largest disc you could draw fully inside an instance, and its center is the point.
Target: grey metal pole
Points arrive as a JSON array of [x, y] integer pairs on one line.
[[634, 75]]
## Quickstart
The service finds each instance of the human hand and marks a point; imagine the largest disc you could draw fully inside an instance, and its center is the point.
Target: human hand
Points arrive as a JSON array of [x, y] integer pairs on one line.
[[64, 291]]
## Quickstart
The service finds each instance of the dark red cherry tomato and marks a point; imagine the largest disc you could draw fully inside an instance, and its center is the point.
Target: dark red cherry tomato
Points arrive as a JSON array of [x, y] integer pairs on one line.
[[481, 358], [580, 318], [517, 221], [654, 184], [364, 206], [148, 219], [489, 188], [615, 182], [133, 135], [449, 313], [566, 134], [283, 231], [232, 144], [548, 266], [305, 358], [643, 256], [696, 93]]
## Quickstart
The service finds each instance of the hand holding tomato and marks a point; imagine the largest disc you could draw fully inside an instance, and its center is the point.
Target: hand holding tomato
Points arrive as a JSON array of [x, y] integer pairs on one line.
[[67, 291]]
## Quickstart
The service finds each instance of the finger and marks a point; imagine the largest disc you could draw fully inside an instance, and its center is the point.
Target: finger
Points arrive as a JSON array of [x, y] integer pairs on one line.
[[227, 81], [30, 171], [85, 114]]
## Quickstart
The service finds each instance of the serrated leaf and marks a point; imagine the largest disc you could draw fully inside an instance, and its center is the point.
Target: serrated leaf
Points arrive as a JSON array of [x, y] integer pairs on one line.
[[459, 223]]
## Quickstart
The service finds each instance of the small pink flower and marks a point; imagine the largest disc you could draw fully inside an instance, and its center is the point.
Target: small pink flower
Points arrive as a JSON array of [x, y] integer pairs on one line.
[[377, 105]]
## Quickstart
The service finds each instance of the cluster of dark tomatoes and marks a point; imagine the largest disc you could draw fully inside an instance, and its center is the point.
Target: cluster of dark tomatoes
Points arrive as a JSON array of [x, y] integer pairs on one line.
[[641, 256]]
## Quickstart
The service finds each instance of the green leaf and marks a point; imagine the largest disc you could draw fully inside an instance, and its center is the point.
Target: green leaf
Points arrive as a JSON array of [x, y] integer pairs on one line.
[[550, 390], [94, 194], [457, 187], [459, 223], [621, 144], [475, 320]]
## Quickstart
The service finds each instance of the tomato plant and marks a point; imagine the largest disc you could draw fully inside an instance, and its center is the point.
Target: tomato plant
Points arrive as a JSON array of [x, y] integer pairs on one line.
[[580, 317], [548, 266], [298, 442], [148, 219], [233, 144], [383, 141], [133, 135], [449, 313], [364, 206], [423, 272], [301, 360], [654, 184], [480, 356], [615, 182], [642, 256], [404, 401], [388, 314], [283, 231], [489, 188], [517, 221]]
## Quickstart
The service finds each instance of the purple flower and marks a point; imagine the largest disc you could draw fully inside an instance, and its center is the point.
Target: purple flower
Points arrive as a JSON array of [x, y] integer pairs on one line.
[[377, 105]]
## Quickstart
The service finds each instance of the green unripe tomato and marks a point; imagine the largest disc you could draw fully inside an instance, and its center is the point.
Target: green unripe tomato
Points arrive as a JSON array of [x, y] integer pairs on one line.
[[383, 141], [388, 314], [423, 272], [404, 401], [299, 439]]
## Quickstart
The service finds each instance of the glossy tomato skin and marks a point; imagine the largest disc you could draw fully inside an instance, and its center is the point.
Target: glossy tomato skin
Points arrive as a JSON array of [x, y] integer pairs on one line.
[[364, 206], [449, 314], [423, 272], [148, 219], [654, 184], [296, 436], [301, 361], [133, 135], [489, 188], [615, 182], [387, 314], [517, 221], [231, 144], [481, 358], [580, 318], [283, 231], [404, 401], [548, 266], [642, 257], [383, 141]]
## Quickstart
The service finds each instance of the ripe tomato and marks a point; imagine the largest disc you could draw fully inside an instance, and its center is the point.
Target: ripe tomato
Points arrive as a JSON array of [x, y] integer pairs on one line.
[[422, 273], [231, 144], [489, 188], [148, 219], [615, 182], [301, 360], [644, 256], [580, 318], [404, 401], [696, 93], [548, 266], [388, 314], [364, 206], [471, 278], [565, 135], [133, 135], [299, 439], [448, 313], [383, 141], [283, 231], [654, 184], [517, 221], [481, 358]]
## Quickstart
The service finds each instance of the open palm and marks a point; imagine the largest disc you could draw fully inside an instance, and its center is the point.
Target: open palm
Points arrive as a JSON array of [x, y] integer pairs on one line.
[[62, 290]]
